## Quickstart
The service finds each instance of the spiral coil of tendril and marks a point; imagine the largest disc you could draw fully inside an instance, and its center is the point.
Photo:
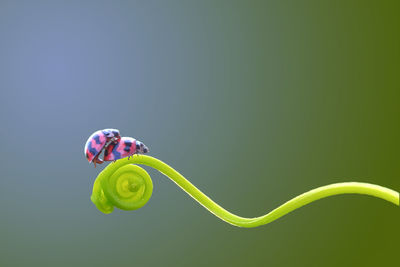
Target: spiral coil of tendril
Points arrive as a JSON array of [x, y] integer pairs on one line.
[[129, 187]]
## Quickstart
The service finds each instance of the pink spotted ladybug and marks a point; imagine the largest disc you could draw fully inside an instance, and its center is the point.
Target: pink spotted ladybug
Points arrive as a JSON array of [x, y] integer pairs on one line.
[[125, 147], [97, 142]]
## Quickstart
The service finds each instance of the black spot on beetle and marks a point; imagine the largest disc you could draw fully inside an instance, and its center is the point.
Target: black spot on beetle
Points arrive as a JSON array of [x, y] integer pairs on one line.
[[97, 139], [93, 151], [128, 143], [106, 132], [116, 154]]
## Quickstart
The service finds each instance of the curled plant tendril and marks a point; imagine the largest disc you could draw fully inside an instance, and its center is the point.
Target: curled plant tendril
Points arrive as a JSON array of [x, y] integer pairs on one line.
[[129, 187]]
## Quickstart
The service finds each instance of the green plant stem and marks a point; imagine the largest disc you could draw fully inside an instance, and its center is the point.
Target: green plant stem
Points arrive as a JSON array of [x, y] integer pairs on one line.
[[295, 203]]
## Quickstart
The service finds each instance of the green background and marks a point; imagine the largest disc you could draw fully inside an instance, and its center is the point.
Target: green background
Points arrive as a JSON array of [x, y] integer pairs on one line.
[[254, 102]]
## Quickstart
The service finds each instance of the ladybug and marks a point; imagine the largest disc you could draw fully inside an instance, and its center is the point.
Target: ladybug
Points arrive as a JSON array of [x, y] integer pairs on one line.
[[125, 147], [99, 141]]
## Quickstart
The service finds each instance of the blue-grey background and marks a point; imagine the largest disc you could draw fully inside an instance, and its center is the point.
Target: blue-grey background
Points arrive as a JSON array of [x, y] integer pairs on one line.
[[254, 102]]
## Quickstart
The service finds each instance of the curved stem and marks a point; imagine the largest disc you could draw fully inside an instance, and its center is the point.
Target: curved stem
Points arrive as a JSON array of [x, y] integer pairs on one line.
[[295, 203]]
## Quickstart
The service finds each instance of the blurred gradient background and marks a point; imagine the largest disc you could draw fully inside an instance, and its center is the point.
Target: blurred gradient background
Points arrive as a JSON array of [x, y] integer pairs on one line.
[[254, 102]]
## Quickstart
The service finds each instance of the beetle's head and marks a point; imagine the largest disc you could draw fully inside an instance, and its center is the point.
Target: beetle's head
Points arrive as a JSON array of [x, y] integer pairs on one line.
[[141, 148]]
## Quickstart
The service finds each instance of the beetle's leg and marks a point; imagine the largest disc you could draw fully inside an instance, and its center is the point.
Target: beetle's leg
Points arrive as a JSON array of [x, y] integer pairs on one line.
[[97, 160]]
